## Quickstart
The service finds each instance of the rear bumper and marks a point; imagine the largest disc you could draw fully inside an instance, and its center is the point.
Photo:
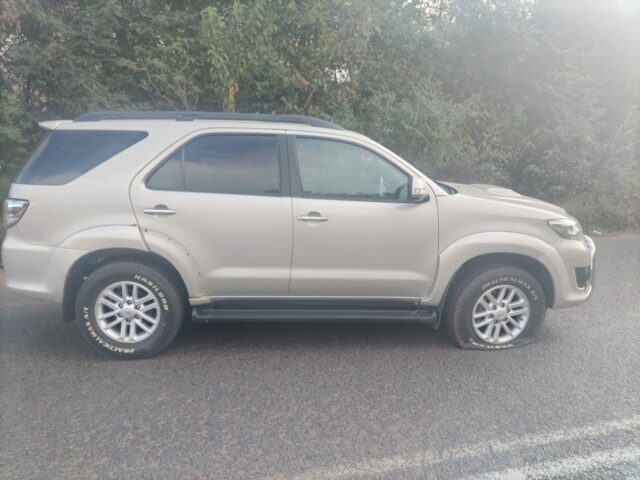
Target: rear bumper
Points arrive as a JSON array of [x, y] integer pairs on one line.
[[36, 271], [572, 265]]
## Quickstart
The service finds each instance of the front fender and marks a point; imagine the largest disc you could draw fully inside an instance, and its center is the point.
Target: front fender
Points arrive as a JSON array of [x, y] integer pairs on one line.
[[456, 254]]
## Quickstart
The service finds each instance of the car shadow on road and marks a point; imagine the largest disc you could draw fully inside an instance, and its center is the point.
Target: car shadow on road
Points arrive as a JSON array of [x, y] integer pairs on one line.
[[308, 335], [36, 331]]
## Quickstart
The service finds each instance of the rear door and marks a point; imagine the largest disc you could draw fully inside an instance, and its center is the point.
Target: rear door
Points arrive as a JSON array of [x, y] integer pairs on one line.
[[356, 233], [225, 199]]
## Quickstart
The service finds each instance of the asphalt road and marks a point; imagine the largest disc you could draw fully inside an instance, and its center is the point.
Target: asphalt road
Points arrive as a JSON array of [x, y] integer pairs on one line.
[[335, 401]]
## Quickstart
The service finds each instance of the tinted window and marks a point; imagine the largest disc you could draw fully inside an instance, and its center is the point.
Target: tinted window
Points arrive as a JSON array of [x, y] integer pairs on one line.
[[239, 164], [169, 175], [341, 170], [64, 155]]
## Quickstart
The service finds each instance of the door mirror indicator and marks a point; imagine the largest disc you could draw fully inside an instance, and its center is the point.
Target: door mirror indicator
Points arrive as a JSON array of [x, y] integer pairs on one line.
[[419, 190]]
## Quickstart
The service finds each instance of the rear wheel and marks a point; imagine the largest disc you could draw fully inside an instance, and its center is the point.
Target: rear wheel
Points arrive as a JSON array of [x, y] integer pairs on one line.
[[129, 310], [495, 307]]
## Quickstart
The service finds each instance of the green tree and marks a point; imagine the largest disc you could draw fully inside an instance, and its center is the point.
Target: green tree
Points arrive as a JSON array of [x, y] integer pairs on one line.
[[538, 95]]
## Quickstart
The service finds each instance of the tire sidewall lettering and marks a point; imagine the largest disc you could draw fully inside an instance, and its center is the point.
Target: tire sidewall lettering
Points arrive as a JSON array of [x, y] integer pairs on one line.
[[513, 280], [529, 287], [169, 310], [156, 289], [89, 321], [503, 346], [102, 342]]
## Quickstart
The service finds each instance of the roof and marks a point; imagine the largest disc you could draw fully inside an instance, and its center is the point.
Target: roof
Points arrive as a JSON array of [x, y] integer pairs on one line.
[[190, 116]]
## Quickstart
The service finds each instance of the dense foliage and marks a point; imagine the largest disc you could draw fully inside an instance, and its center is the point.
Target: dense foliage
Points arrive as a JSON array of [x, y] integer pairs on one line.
[[542, 96]]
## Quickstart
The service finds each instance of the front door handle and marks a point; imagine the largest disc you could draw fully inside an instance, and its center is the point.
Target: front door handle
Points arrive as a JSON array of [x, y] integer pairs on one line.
[[159, 210], [312, 217]]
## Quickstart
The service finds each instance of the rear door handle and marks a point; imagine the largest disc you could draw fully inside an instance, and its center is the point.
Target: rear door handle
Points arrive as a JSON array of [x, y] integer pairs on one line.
[[312, 217], [159, 210]]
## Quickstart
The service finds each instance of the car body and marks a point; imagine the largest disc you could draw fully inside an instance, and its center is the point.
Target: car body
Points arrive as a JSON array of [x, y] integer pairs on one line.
[[293, 218]]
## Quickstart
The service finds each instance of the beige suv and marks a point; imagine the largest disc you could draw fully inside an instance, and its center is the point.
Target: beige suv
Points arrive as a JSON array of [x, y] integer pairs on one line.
[[135, 221]]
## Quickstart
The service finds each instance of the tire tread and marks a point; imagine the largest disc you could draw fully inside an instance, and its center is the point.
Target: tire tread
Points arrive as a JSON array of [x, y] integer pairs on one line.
[[177, 304], [453, 321]]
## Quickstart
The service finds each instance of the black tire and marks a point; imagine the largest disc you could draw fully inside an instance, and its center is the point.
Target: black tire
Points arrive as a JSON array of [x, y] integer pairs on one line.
[[170, 314], [458, 311]]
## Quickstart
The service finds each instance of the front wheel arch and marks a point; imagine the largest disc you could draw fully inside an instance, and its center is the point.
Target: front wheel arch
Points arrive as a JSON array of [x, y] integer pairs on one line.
[[460, 313], [529, 264]]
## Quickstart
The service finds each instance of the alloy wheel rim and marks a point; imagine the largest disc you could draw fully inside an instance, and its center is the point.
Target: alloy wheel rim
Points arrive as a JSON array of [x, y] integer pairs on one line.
[[501, 314], [127, 312]]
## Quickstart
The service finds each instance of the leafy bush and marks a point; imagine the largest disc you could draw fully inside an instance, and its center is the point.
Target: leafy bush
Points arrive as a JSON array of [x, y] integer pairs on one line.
[[537, 95]]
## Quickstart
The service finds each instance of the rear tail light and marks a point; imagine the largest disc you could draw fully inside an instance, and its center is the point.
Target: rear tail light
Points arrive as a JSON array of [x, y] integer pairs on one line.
[[13, 210]]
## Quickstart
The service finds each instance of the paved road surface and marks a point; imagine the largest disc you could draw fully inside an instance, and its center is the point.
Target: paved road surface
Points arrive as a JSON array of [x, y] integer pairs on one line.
[[333, 401]]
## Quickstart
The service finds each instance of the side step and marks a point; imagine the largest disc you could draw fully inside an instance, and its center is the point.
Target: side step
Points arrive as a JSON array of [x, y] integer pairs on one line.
[[212, 313]]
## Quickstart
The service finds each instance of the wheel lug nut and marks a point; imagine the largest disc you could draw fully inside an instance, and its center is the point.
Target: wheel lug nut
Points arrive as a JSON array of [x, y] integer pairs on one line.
[[137, 307], [120, 305]]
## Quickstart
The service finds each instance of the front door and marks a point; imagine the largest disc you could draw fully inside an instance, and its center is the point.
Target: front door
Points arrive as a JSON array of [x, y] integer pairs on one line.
[[227, 207], [356, 233]]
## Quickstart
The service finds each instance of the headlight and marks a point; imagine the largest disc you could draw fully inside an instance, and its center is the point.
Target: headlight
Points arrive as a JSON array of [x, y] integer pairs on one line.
[[567, 228]]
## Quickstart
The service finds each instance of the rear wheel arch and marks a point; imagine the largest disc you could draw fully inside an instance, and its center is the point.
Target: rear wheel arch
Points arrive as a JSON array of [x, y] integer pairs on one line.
[[87, 264]]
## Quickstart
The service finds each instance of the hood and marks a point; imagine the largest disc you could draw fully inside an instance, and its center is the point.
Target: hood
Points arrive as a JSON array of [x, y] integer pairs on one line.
[[507, 196]]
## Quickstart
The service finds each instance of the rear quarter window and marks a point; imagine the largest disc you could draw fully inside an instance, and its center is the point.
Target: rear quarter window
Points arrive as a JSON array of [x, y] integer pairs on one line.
[[64, 155]]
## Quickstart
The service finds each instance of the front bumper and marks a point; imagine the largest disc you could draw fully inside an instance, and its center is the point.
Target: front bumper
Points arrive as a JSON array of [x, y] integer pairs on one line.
[[572, 265], [591, 278]]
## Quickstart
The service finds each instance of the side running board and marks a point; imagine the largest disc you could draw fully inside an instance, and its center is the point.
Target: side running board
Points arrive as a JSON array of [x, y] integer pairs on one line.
[[210, 313]]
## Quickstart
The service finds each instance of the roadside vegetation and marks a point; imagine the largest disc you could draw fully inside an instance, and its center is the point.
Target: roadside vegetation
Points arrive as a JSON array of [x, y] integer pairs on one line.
[[541, 96]]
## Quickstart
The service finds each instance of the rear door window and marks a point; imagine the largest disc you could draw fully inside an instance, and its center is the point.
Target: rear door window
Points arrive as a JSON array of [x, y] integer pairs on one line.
[[169, 175], [231, 164], [64, 155]]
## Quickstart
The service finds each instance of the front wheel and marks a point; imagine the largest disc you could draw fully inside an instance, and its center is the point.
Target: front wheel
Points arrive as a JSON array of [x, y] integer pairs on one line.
[[495, 307], [129, 310]]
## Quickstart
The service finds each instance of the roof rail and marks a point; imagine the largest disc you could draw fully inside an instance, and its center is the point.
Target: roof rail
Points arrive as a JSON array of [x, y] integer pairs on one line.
[[189, 116]]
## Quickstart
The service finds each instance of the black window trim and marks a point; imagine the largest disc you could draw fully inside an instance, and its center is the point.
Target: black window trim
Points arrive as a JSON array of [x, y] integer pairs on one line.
[[283, 165], [296, 181]]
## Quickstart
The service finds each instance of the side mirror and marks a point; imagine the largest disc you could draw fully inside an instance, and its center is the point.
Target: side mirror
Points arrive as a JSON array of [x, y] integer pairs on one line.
[[419, 190]]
